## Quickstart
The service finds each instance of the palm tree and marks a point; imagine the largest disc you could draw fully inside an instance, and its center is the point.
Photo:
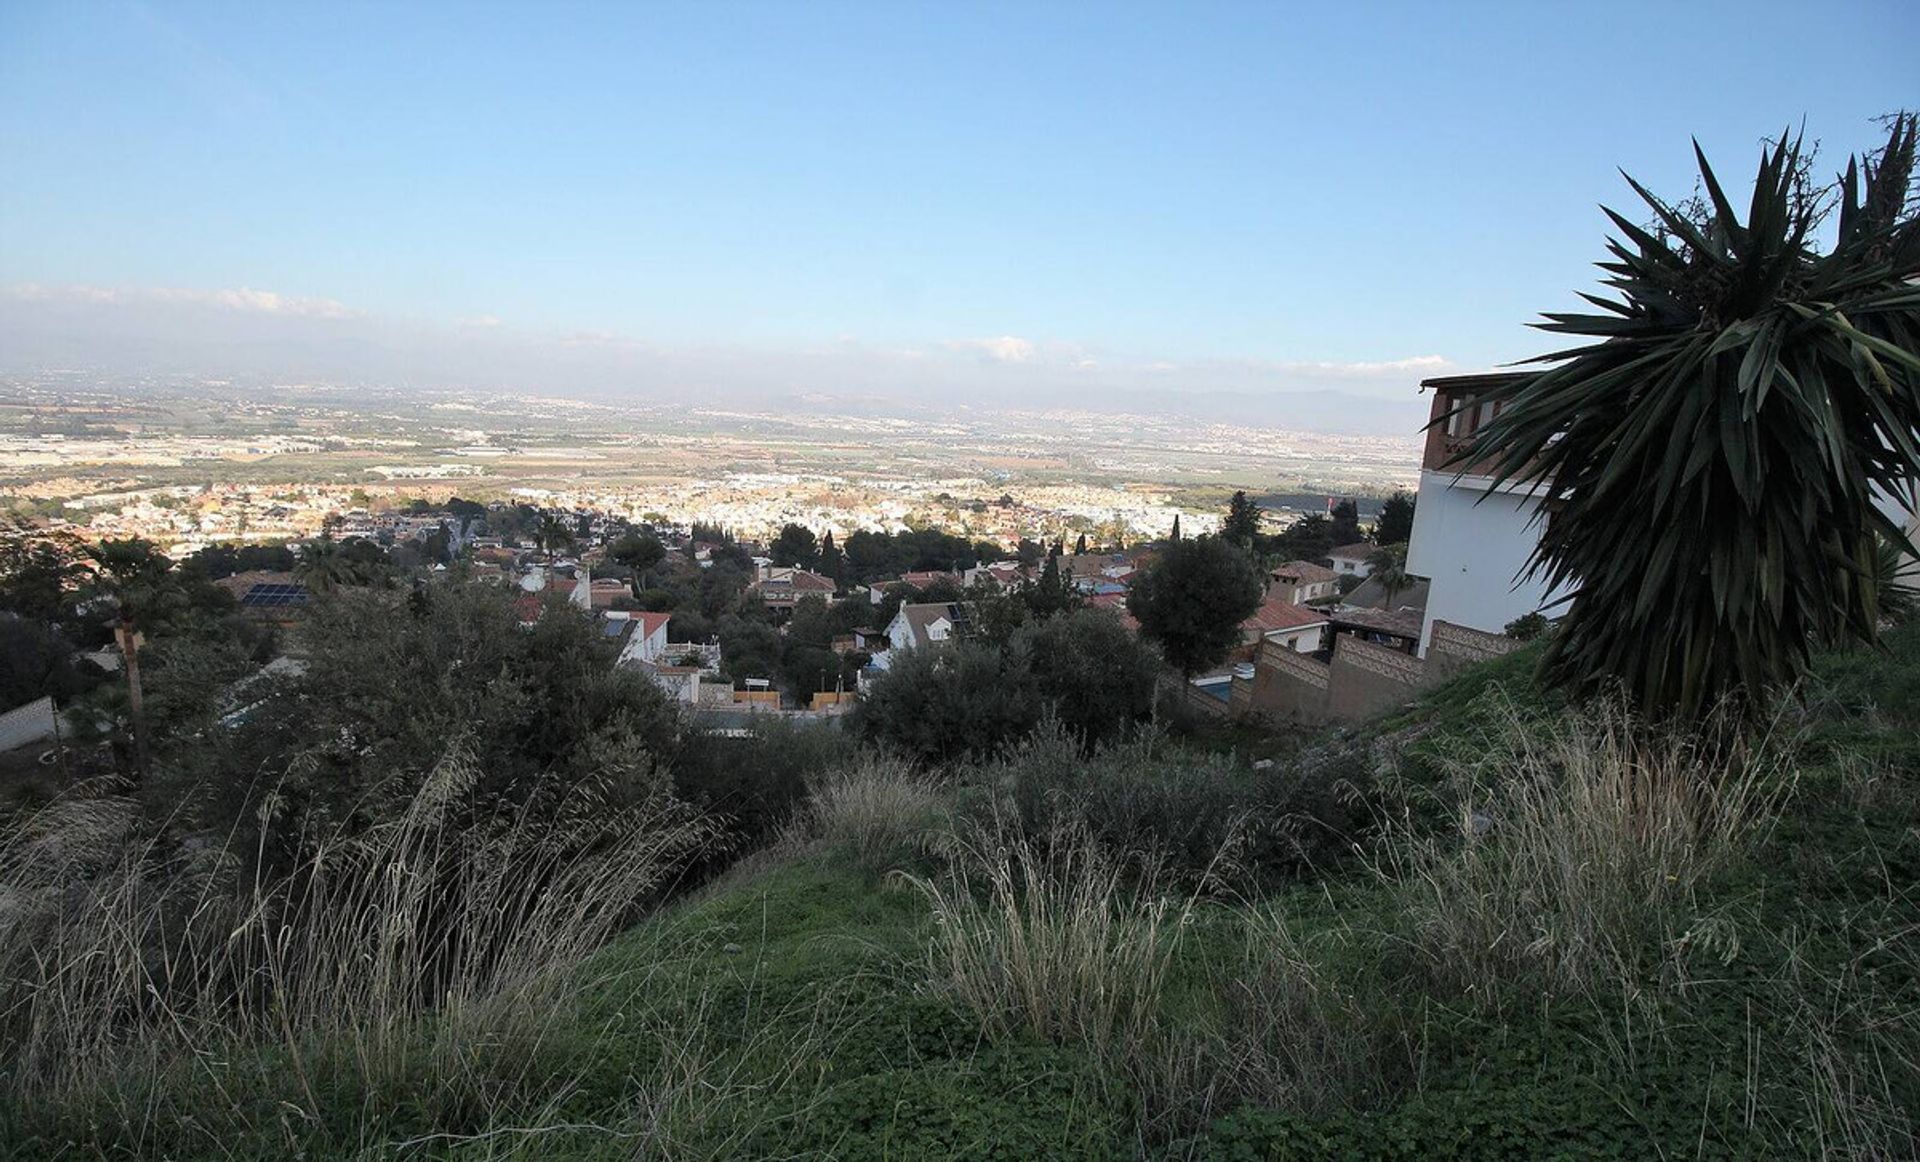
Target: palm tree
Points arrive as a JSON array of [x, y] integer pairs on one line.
[[138, 581], [1388, 566], [1707, 462], [639, 553], [552, 535]]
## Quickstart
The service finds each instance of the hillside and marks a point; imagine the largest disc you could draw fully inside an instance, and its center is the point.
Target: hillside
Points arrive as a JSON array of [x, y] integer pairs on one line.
[[1528, 939]]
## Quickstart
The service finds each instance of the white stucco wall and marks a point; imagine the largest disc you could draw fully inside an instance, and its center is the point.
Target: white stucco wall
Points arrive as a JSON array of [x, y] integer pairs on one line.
[[1474, 550], [1304, 640]]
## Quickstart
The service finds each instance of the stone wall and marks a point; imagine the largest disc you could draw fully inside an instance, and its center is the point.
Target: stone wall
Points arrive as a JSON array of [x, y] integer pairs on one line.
[[1285, 687], [1363, 679], [1453, 648], [1367, 679]]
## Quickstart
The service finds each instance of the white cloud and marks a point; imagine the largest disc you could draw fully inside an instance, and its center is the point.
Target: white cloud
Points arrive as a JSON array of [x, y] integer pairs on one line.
[[1004, 349], [243, 299], [1425, 365]]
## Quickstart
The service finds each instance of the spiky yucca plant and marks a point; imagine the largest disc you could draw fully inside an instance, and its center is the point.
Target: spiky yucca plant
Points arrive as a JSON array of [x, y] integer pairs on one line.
[[1708, 462]]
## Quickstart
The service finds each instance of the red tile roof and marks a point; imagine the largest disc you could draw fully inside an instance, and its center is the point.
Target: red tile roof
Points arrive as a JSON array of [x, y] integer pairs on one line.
[[1278, 615], [1305, 572]]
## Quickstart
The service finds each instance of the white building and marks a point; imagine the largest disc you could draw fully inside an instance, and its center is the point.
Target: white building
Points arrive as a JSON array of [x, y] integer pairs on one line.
[[643, 636], [1473, 546], [1351, 560], [918, 626]]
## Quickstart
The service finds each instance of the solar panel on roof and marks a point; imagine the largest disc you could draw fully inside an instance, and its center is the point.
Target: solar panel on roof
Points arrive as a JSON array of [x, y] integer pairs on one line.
[[269, 596]]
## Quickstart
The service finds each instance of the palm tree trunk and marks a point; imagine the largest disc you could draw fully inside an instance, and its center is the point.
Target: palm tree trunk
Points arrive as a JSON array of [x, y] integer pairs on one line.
[[136, 699]]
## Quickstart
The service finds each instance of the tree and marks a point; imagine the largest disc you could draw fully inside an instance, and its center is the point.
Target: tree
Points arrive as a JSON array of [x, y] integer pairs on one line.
[[134, 576], [1345, 523], [795, 546], [749, 649], [552, 534], [1080, 546], [958, 699], [1053, 592], [322, 567], [1097, 677], [1707, 460], [37, 660], [1242, 523], [465, 510], [37, 570], [1527, 626], [1308, 539], [831, 563], [1176, 527], [1387, 565], [812, 622], [639, 552], [1193, 600], [1395, 526]]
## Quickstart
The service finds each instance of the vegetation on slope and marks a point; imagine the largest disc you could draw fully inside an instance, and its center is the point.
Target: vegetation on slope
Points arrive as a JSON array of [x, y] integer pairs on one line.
[[1529, 932]]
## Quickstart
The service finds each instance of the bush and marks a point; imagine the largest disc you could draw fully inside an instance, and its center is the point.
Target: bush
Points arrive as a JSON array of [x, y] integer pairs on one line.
[[389, 685], [131, 965], [1578, 845], [880, 813], [754, 785], [1097, 678], [959, 700], [1055, 938], [1197, 812], [968, 699]]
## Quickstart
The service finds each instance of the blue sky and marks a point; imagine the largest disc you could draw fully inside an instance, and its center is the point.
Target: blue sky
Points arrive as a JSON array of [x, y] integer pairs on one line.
[[1113, 185]]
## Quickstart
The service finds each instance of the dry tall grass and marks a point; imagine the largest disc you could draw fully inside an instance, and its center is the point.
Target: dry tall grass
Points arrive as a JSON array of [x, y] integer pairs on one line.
[[152, 981], [879, 812], [1054, 937], [1580, 845]]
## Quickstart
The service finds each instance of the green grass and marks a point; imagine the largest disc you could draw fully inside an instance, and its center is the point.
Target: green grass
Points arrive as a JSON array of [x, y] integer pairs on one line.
[[1769, 1007]]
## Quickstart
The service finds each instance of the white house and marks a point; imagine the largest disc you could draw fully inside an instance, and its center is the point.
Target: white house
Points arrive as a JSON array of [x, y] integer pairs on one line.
[[643, 636], [918, 626], [1473, 546], [1300, 628], [578, 588], [1299, 582], [1351, 560]]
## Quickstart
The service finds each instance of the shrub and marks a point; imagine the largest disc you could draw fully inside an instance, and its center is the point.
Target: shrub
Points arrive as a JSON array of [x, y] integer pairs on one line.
[[753, 785], [972, 698], [1198, 812], [131, 964], [1578, 846], [959, 700], [880, 813]]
